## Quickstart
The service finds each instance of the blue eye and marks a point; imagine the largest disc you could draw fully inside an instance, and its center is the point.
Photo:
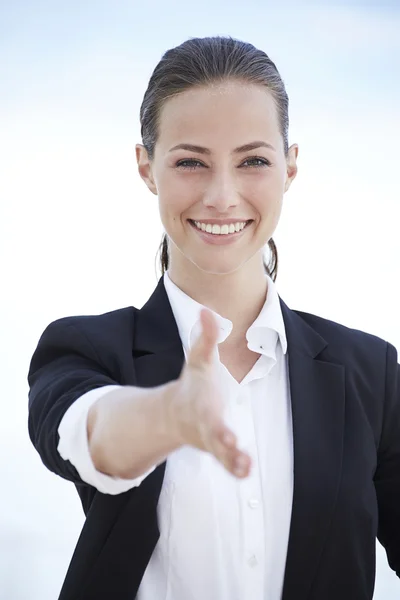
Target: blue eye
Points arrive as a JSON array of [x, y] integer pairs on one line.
[[189, 163], [257, 162], [253, 162]]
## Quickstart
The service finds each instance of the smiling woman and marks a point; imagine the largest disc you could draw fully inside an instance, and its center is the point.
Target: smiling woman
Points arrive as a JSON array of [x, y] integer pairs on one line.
[[218, 172], [219, 66], [224, 446]]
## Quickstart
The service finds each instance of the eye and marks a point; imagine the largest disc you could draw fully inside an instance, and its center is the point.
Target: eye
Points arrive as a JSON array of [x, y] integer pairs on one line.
[[256, 161], [189, 164]]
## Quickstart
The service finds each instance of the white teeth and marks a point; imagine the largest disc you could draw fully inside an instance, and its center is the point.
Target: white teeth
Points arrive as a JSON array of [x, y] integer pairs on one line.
[[220, 229]]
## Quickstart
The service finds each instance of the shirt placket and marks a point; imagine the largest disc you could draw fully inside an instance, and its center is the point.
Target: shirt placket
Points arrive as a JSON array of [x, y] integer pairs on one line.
[[250, 497]]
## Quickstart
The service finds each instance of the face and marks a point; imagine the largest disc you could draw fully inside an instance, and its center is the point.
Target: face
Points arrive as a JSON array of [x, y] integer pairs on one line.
[[220, 172]]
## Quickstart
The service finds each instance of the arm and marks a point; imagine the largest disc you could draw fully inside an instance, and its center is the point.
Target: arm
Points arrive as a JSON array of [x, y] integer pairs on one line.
[[387, 476], [74, 445], [127, 430], [65, 369], [126, 414]]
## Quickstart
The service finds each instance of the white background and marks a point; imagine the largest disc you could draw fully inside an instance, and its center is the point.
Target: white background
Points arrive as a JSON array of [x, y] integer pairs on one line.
[[79, 231]]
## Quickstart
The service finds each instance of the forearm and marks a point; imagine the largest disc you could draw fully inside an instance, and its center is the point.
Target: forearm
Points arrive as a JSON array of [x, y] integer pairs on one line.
[[131, 429]]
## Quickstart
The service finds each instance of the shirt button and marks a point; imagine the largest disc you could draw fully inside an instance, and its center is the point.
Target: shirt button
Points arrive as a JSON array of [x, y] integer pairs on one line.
[[253, 503], [252, 561]]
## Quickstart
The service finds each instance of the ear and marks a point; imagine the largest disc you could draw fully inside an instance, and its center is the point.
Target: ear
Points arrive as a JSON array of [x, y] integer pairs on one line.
[[291, 165], [145, 168]]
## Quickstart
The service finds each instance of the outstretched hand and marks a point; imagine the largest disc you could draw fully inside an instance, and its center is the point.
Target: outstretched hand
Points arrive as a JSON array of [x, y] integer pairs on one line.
[[198, 405]]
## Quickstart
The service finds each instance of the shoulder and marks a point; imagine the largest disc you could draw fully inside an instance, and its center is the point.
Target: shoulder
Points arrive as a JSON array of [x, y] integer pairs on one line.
[[346, 342], [94, 336], [335, 330], [371, 363], [116, 322]]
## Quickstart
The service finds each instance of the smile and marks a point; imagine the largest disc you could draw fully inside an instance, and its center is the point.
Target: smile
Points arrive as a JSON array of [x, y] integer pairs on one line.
[[223, 229], [220, 233]]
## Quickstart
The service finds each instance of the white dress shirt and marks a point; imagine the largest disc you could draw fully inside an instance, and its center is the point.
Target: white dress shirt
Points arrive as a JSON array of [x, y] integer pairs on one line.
[[221, 538]]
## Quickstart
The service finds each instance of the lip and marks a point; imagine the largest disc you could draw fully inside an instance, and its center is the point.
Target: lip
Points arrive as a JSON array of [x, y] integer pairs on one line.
[[221, 221], [220, 240]]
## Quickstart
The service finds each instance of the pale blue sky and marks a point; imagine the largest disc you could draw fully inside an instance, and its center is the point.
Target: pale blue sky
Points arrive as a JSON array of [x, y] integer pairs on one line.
[[320, 47], [74, 216]]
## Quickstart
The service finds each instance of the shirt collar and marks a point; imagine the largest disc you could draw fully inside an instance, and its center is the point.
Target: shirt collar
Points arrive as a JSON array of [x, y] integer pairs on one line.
[[262, 335]]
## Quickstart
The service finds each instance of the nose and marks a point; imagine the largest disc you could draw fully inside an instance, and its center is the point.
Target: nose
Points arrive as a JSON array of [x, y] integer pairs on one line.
[[221, 193]]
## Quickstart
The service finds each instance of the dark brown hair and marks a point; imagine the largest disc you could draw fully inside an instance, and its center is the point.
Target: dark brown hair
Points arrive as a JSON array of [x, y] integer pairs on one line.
[[200, 62]]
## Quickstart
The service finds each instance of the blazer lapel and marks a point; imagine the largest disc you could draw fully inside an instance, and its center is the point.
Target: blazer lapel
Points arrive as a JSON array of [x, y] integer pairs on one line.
[[318, 402], [158, 351]]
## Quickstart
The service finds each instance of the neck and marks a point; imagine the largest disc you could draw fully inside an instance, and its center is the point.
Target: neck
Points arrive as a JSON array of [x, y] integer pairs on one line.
[[237, 296]]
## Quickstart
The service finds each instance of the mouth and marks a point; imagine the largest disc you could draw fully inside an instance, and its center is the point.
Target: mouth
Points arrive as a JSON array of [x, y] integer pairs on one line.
[[223, 233]]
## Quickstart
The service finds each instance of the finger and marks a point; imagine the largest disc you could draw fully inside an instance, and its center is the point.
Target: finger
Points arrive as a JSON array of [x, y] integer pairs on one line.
[[224, 447], [227, 438], [241, 464], [202, 350], [236, 461], [217, 440]]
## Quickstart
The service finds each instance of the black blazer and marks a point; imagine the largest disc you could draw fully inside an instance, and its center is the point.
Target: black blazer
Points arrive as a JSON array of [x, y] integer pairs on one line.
[[345, 390]]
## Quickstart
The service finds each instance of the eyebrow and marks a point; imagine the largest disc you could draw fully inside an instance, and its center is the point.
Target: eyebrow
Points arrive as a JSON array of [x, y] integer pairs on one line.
[[239, 150]]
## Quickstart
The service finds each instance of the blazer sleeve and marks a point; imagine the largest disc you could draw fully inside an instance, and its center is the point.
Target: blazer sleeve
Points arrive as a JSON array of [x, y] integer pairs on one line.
[[387, 476], [63, 367]]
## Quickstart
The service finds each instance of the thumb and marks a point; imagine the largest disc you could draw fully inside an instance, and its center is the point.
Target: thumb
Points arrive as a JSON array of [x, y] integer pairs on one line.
[[202, 350]]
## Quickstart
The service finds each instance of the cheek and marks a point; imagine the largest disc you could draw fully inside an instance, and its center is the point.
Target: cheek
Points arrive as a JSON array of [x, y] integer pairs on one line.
[[177, 194], [173, 203], [266, 195], [170, 194]]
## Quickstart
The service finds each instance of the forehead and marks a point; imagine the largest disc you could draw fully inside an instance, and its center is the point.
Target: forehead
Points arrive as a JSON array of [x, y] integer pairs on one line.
[[219, 115]]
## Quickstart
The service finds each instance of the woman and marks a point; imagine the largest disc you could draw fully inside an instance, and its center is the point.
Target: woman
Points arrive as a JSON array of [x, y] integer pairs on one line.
[[223, 445]]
